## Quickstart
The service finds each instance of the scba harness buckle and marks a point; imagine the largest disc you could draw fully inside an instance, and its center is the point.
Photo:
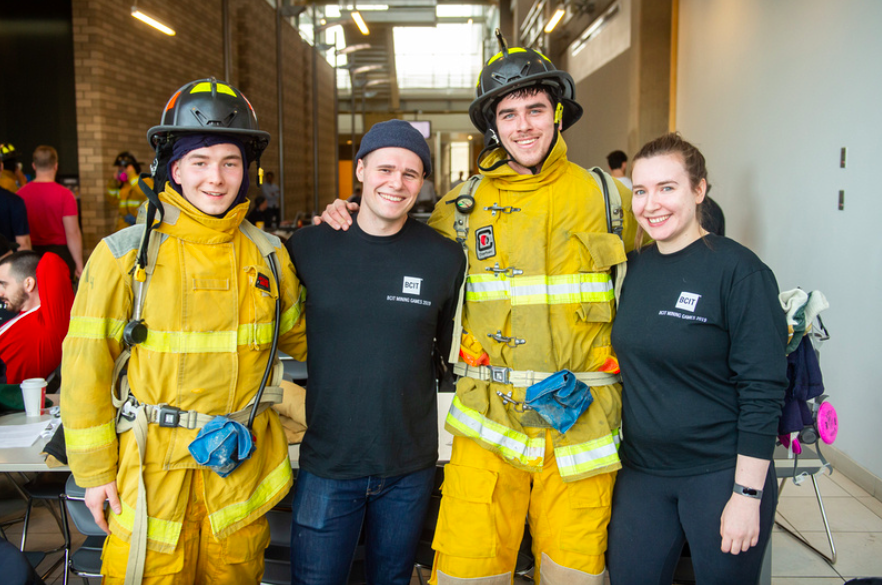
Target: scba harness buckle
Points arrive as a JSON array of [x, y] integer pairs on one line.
[[169, 416]]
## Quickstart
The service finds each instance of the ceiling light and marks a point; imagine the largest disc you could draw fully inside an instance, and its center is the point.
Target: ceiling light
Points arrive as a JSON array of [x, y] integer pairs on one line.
[[353, 48], [152, 22], [359, 22], [365, 69], [375, 82], [555, 18]]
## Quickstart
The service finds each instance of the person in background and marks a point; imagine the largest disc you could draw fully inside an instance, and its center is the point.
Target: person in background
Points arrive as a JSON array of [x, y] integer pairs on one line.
[[458, 180], [52, 212], [11, 176], [38, 292], [700, 336], [14, 220], [368, 457], [123, 190], [259, 214], [272, 194], [712, 218], [618, 167]]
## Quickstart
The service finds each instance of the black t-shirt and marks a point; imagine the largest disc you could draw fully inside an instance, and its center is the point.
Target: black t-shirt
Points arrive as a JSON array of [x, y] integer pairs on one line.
[[374, 307], [700, 337]]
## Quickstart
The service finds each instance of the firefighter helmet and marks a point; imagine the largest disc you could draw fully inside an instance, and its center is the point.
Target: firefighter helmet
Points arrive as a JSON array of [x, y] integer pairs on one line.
[[213, 107], [516, 68]]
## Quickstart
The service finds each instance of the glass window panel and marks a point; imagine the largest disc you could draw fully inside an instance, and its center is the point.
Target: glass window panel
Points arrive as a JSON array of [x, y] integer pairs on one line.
[[446, 56]]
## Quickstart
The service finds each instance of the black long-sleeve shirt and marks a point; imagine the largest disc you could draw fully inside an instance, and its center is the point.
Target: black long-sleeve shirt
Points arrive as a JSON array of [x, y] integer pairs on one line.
[[374, 308], [700, 336]]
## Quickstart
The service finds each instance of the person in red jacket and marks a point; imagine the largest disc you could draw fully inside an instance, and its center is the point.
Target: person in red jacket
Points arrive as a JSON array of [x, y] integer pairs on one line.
[[30, 342]]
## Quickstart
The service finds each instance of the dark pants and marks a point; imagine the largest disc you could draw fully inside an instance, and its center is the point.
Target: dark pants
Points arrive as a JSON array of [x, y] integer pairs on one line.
[[328, 515], [652, 516]]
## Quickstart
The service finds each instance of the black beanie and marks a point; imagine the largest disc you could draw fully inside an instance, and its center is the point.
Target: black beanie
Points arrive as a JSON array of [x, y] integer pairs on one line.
[[396, 134]]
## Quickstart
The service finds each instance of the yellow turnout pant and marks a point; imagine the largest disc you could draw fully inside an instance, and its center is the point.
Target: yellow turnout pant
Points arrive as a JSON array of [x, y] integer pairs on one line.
[[481, 523], [199, 558]]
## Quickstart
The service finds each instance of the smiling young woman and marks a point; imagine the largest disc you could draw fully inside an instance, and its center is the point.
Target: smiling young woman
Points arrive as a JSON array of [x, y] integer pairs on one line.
[[700, 338]]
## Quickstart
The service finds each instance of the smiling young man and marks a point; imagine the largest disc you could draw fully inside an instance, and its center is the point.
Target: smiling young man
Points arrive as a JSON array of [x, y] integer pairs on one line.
[[368, 457], [539, 300], [200, 339]]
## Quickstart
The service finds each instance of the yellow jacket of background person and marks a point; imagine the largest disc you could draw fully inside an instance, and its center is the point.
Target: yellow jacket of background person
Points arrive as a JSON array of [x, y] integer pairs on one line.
[[210, 329], [539, 273], [127, 198], [8, 181]]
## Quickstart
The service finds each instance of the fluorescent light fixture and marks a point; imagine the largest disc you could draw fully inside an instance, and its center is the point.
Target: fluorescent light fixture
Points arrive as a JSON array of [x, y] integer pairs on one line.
[[359, 22], [353, 48], [365, 69], [376, 82], [555, 18], [152, 22]]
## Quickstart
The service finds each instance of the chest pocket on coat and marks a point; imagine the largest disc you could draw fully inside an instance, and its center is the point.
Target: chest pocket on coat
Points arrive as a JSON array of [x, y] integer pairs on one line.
[[260, 303], [598, 253]]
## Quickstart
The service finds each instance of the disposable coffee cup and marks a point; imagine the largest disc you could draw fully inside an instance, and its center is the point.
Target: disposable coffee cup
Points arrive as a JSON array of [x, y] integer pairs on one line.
[[33, 392]]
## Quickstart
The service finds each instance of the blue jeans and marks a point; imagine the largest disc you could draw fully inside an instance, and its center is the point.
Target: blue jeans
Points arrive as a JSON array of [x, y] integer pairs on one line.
[[328, 515]]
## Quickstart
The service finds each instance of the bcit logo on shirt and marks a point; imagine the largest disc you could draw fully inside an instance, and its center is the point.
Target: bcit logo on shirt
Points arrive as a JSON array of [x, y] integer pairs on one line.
[[485, 243], [688, 301], [412, 285]]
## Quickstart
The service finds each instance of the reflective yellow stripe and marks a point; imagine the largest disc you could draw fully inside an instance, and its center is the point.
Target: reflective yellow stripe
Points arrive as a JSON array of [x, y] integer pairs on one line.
[[163, 531], [268, 488], [585, 457], [292, 315], [90, 438], [191, 341], [205, 87], [541, 290], [508, 442], [95, 328], [125, 204]]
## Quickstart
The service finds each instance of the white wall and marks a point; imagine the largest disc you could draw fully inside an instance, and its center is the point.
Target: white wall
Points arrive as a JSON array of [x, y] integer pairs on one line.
[[770, 91]]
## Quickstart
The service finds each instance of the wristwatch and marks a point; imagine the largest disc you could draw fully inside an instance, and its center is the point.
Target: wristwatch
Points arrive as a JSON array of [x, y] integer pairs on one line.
[[743, 490]]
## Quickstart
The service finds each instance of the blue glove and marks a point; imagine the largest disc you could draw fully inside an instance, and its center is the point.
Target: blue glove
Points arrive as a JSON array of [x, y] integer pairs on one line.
[[222, 445], [560, 399]]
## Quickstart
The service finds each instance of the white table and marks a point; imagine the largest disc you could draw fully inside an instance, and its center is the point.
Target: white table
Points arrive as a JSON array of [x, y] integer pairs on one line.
[[25, 458]]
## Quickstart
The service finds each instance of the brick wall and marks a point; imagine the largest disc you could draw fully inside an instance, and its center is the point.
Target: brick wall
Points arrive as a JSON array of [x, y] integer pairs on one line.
[[126, 71]]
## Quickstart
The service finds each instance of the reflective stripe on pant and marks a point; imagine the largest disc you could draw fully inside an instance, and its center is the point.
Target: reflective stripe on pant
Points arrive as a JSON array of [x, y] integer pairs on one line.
[[481, 522], [199, 557]]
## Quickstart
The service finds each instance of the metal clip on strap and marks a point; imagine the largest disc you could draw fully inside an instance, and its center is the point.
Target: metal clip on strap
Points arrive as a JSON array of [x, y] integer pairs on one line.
[[496, 207], [509, 341], [497, 270]]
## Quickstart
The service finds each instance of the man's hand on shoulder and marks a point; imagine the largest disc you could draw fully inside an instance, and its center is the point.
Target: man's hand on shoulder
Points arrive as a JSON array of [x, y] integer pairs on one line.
[[338, 215]]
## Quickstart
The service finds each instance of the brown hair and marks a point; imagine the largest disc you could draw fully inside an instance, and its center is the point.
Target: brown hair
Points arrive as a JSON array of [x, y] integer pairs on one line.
[[693, 162], [45, 158]]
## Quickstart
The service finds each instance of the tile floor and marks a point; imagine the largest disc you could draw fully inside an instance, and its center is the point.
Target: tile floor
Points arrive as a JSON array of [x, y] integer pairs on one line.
[[854, 515]]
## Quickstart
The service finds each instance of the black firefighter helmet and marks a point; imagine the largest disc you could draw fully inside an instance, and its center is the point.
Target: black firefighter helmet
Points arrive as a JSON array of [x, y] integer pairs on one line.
[[213, 107], [516, 68]]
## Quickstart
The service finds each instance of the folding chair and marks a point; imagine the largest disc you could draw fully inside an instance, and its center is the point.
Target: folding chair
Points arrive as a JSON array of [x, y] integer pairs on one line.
[[85, 562], [48, 488]]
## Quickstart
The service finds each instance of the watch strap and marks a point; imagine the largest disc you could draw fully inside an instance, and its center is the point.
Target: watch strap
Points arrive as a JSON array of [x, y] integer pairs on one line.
[[747, 491]]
